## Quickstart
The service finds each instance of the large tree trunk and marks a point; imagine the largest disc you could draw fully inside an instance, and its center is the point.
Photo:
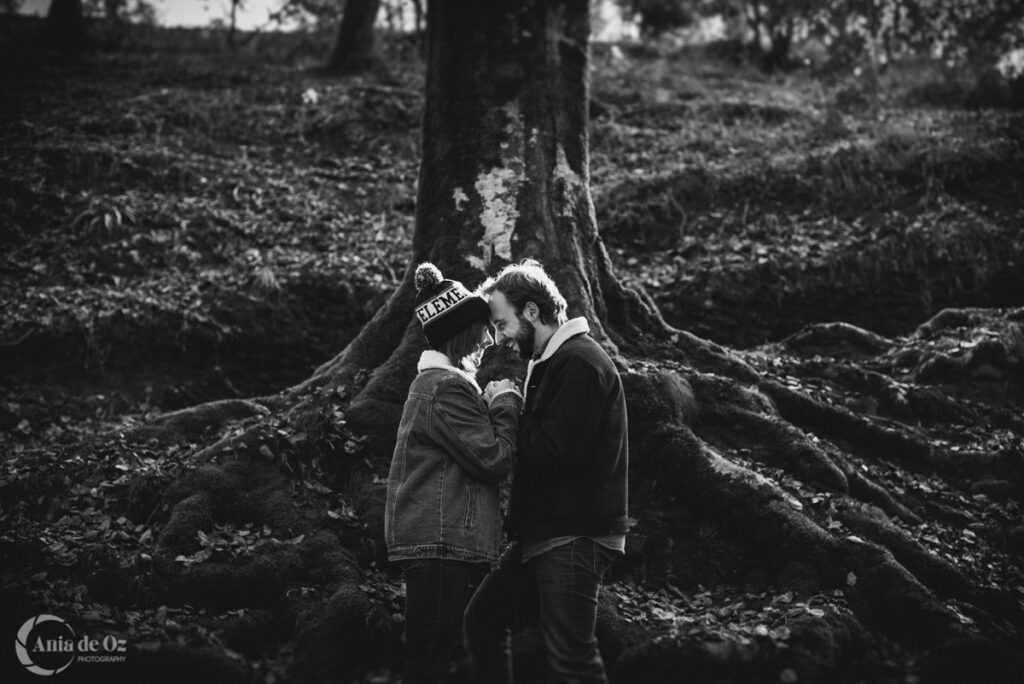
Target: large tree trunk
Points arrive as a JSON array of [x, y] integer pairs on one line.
[[747, 468], [505, 175], [354, 46]]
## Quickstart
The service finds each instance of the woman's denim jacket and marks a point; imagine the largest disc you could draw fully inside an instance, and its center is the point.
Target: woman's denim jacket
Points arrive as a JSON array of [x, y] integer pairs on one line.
[[452, 453]]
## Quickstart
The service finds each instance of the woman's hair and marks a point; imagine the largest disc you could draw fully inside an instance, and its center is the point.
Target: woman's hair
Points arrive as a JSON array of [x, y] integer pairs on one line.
[[464, 342]]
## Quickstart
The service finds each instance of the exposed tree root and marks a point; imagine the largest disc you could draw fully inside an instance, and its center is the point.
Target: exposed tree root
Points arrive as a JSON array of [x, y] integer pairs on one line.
[[758, 466], [868, 491], [191, 424], [879, 393], [376, 410], [891, 440], [636, 325], [837, 340], [939, 575], [891, 582], [374, 344], [744, 420]]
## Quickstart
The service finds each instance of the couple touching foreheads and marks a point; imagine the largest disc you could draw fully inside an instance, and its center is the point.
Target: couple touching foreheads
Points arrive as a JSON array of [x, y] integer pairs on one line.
[[562, 436]]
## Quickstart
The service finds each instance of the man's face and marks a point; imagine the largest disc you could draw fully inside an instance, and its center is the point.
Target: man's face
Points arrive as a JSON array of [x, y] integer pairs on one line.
[[509, 325]]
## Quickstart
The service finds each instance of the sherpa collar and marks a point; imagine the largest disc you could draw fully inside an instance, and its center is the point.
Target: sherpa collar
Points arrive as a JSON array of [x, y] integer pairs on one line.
[[570, 328], [435, 359]]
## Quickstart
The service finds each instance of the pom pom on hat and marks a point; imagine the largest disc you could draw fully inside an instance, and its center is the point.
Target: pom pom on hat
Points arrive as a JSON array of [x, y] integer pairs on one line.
[[428, 276]]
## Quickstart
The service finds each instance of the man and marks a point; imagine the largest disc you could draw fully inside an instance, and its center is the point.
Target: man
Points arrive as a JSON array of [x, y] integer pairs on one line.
[[568, 505]]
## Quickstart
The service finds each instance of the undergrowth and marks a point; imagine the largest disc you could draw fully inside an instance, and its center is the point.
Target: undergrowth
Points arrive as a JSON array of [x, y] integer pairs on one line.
[[243, 205]]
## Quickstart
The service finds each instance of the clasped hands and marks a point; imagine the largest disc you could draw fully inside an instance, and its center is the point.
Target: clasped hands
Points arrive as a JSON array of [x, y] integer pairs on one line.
[[496, 386]]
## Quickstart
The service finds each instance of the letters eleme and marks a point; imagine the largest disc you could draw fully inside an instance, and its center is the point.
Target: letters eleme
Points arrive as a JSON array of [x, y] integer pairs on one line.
[[440, 303]]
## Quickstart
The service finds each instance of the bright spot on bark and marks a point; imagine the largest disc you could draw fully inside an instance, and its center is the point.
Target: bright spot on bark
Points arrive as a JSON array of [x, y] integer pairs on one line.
[[534, 135], [460, 197], [562, 168], [498, 189], [570, 181]]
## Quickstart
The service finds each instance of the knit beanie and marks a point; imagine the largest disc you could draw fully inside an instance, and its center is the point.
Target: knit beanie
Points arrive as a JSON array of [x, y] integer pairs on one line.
[[445, 307]]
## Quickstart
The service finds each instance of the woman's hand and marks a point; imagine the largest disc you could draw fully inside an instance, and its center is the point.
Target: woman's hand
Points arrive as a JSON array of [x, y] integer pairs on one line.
[[496, 386]]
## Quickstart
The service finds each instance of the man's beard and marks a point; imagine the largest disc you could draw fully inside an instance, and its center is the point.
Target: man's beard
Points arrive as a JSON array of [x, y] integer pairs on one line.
[[524, 339]]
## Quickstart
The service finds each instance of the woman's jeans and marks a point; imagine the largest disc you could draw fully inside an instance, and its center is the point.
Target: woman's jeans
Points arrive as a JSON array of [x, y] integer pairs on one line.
[[564, 584], [436, 594]]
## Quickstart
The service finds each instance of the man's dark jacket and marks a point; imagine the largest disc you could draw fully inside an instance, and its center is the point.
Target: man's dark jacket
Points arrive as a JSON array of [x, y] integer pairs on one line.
[[573, 459]]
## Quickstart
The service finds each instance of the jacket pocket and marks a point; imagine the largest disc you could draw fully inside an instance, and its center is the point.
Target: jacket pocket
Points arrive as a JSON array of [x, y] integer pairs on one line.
[[470, 520]]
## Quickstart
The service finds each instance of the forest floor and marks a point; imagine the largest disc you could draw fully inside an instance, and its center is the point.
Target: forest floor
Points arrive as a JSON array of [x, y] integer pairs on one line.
[[184, 227]]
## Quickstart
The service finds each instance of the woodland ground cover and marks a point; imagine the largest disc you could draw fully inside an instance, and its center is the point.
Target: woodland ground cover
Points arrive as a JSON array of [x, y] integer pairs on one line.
[[187, 227]]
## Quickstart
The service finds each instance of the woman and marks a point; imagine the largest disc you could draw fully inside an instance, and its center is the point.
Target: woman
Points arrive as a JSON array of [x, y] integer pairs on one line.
[[454, 448]]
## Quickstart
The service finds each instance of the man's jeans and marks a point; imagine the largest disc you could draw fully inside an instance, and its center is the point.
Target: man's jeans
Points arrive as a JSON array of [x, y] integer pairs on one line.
[[564, 584], [436, 593]]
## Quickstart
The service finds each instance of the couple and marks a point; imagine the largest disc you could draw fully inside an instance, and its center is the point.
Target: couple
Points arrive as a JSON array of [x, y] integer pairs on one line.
[[563, 436]]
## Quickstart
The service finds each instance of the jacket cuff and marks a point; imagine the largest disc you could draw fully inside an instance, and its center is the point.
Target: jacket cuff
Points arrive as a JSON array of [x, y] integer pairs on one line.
[[515, 392]]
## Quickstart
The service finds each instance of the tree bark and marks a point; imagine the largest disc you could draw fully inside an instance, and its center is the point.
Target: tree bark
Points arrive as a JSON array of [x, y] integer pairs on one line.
[[505, 159], [233, 25], [354, 46], [420, 16]]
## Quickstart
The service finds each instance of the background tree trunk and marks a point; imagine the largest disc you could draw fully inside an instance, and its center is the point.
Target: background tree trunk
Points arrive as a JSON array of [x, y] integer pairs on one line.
[[113, 10], [233, 24], [65, 25], [354, 47], [420, 16]]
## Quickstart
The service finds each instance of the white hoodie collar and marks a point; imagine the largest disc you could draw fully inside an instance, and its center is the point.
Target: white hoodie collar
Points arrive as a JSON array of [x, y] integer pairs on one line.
[[435, 359], [570, 328]]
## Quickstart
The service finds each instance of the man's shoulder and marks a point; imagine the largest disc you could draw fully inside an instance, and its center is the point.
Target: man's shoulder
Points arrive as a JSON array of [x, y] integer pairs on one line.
[[585, 347]]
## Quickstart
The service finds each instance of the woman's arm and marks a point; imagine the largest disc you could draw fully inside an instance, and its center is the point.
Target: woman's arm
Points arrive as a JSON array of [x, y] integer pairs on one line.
[[481, 440]]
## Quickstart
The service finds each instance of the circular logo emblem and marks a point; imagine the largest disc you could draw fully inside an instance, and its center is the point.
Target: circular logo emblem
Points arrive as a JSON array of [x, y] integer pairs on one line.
[[45, 645]]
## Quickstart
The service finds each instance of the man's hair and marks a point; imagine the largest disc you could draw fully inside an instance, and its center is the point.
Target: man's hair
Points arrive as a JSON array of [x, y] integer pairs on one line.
[[525, 282], [464, 342]]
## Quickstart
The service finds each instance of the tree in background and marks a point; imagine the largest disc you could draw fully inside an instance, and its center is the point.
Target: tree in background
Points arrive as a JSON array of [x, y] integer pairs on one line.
[[354, 49], [976, 32], [420, 16], [774, 24], [659, 16], [65, 25], [114, 10]]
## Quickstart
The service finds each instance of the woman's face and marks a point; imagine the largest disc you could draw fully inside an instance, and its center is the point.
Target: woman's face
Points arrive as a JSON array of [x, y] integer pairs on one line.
[[486, 339]]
